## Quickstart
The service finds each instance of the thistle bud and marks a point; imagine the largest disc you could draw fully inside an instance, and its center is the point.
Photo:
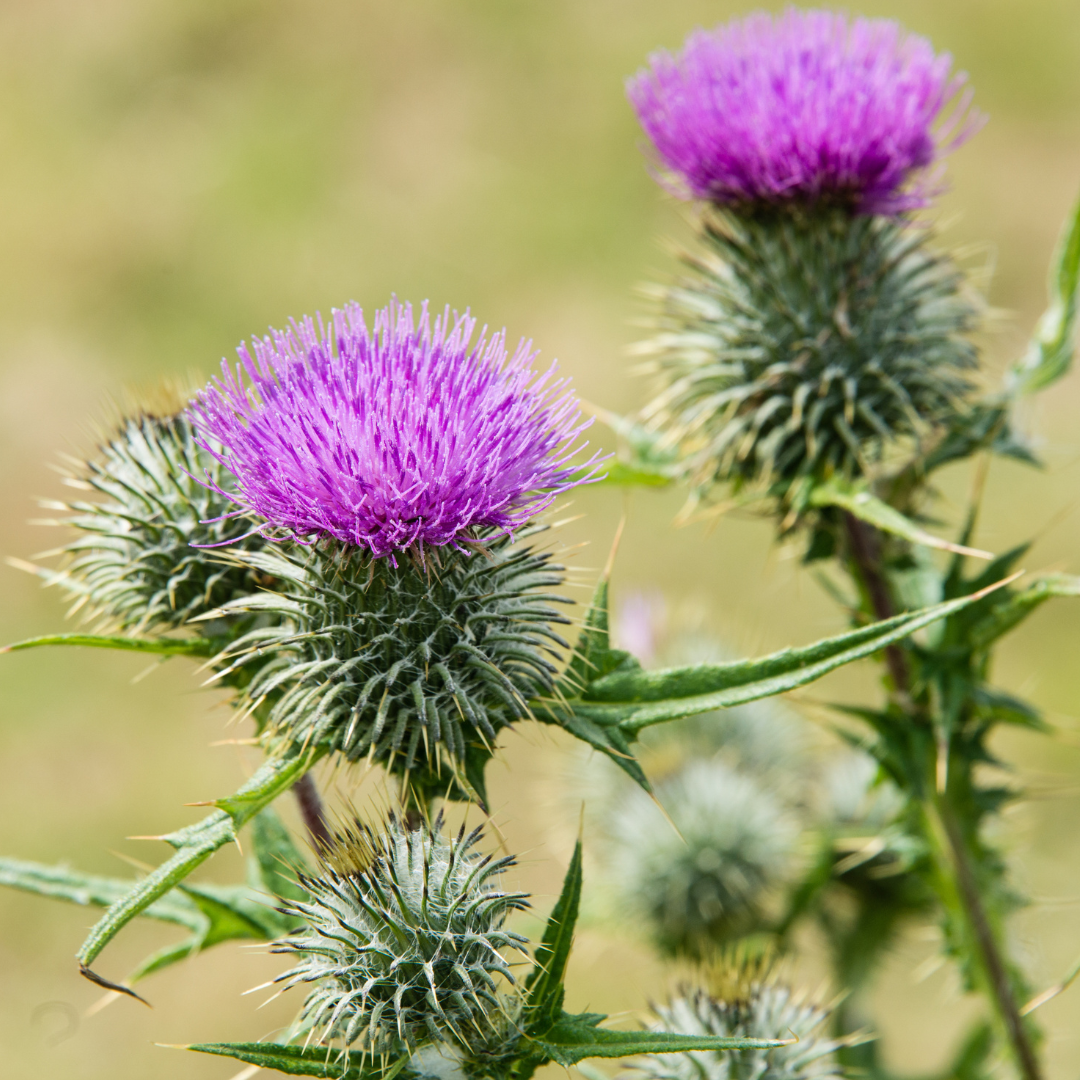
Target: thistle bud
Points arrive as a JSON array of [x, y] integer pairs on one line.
[[417, 668], [760, 1009], [712, 885], [403, 943], [141, 562]]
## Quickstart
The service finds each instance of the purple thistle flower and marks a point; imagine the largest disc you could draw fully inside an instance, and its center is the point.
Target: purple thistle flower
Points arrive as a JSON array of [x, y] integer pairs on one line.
[[407, 435], [804, 106]]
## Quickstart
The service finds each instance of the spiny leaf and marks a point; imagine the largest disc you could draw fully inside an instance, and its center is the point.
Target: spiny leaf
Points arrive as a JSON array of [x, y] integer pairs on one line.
[[1050, 354], [632, 700], [63, 883], [635, 474], [214, 913], [194, 845], [278, 860], [574, 1038], [305, 1061], [1014, 609], [163, 646], [860, 503], [545, 982], [593, 657]]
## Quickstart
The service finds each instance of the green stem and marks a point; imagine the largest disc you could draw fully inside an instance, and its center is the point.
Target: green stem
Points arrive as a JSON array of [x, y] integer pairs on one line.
[[959, 879], [958, 885]]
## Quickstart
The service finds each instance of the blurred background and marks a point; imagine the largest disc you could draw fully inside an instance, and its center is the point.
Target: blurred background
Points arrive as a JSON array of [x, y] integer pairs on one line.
[[176, 175]]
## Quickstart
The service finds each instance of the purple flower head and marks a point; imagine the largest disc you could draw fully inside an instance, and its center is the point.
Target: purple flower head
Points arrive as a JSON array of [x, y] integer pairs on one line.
[[404, 435], [804, 106]]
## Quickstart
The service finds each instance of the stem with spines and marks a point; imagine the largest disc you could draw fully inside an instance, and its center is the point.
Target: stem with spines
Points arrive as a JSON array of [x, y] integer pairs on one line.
[[957, 882]]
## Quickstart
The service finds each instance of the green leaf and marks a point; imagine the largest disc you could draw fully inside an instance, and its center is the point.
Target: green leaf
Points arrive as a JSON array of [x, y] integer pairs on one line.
[[1050, 354], [194, 845], [593, 657], [309, 1061], [92, 890], [235, 912], [278, 860], [633, 699], [635, 474], [574, 1038], [162, 646], [1015, 608], [544, 986], [859, 502], [214, 913], [649, 463]]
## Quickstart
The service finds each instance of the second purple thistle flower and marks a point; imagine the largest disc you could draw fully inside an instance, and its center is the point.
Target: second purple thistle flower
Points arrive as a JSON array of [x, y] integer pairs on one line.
[[406, 436], [804, 106]]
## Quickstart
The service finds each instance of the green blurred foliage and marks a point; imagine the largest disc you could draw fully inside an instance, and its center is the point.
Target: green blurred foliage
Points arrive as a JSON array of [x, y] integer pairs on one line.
[[175, 175]]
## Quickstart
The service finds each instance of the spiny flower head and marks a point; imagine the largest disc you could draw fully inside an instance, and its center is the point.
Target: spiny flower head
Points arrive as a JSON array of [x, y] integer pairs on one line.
[[139, 562], [405, 435], [417, 668], [403, 943], [761, 1009], [802, 346], [802, 107], [737, 843]]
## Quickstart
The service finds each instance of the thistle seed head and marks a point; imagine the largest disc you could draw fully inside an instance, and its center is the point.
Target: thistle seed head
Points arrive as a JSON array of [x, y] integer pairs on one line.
[[806, 345], [403, 942], [416, 667], [759, 1009], [712, 885], [134, 565]]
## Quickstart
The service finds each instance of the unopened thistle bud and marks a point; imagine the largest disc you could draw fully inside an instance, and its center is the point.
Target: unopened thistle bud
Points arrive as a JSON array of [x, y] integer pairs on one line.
[[761, 1008], [141, 562], [702, 875], [403, 942], [815, 333]]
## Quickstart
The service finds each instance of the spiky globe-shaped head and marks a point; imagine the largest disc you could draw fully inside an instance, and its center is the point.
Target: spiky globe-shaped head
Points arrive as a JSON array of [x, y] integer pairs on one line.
[[755, 1008], [802, 107], [415, 667], [405, 436], [708, 882], [141, 561], [805, 346], [403, 942]]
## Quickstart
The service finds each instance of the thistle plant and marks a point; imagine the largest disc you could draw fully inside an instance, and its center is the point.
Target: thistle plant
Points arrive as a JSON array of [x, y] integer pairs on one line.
[[345, 529], [814, 361]]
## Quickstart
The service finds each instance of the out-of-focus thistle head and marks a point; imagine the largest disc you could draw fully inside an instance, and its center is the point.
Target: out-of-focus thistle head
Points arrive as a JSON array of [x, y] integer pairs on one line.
[[417, 669], [801, 108], [403, 942], [752, 1004], [134, 565], [409, 436], [815, 334], [710, 881]]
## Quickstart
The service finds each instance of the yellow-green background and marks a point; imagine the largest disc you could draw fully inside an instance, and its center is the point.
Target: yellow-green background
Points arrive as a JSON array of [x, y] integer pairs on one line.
[[176, 175]]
